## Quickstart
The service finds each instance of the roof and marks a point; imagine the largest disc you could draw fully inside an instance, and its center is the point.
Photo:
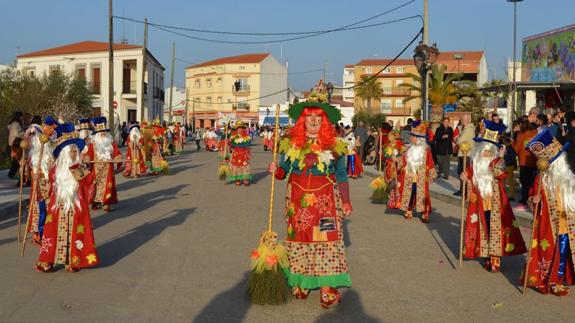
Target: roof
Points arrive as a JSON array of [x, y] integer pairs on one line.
[[240, 59], [468, 64], [550, 32], [349, 65], [76, 48]]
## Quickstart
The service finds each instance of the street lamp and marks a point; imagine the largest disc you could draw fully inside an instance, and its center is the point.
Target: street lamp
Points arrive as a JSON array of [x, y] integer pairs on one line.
[[424, 57], [458, 57], [513, 89]]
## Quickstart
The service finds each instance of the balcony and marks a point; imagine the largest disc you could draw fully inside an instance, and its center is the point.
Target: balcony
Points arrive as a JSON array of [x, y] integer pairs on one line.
[[395, 91], [241, 106], [129, 87], [242, 89], [95, 87]]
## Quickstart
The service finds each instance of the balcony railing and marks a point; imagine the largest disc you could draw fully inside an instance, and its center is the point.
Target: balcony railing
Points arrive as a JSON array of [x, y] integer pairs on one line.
[[396, 91], [242, 89], [129, 87], [240, 106], [94, 87]]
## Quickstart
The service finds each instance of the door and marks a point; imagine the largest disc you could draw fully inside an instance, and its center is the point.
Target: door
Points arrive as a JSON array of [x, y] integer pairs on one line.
[[132, 116]]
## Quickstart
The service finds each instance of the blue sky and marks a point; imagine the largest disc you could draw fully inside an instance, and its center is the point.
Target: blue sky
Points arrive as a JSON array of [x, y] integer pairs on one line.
[[454, 25]]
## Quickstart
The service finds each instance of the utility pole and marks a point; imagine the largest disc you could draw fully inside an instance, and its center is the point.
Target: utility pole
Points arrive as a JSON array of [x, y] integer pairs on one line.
[[111, 68], [513, 86], [186, 118], [425, 114], [143, 74], [172, 79], [425, 22]]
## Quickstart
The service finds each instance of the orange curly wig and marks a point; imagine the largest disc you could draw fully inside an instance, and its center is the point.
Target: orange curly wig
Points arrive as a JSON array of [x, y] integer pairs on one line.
[[327, 133]]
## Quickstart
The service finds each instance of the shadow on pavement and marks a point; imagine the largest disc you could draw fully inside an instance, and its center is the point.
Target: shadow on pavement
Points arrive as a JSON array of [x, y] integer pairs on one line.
[[136, 204], [115, 250], [445, 228], [259, 176], [8, 240], [229, 306], [350, 310], [176, 170], [346, 239]]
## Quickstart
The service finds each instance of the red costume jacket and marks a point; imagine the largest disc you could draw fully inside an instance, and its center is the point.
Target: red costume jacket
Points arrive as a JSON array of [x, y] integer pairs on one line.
[[131, 156], [107, 185], [425, 174]]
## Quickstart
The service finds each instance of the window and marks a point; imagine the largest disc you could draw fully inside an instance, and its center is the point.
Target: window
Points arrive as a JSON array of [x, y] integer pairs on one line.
[[219, 99], [95, 84], [197, 83], [219, 81], [30, 71], [241, 85], [197, 99], [80, 71], [242, 68], [400, 69], [387, 70], [209, 82], [399, 103], [209, 100], [367, 70], [53, 68], [386, 106]]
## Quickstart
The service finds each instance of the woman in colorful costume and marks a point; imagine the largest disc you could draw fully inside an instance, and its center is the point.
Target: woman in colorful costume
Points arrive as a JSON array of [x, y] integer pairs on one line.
[[392, 150], [158, 163], [135, 162], [68, 236], [314, 162], [491, 230], [240, 141], [551, 266]]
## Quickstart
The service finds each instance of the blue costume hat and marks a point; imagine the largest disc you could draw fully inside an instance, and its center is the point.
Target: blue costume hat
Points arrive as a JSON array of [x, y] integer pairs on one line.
[[491, 133], [544, 145], [66, 135], [419, 129], [84, 124], [49, 121], [134, 125], [100, 124]]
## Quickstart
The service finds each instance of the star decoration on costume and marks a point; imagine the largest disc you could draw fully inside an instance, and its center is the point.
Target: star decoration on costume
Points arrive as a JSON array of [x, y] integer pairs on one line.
[[48, 218], [474, 218], [544, 244], [75, 260], [80, 229], [46, 244], [543, 268], [91, 258], [534, 244]]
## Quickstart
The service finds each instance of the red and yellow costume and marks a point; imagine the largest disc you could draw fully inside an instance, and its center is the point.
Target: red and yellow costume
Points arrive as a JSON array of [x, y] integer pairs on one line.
[[240, 141], [135, 162], [393, 147]]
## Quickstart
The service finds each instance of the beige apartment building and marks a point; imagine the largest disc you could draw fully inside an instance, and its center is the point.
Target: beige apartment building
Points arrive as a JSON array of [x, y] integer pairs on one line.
[[234, 85], [471, 65]]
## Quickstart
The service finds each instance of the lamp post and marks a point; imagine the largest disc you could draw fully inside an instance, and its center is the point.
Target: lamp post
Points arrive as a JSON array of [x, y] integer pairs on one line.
[[513, 85], [458, 57], [424, 57]]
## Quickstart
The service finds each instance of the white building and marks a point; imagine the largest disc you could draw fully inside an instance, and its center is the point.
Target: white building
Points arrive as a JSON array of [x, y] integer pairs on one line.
[[348, 80], [178, 105], [89, 59], [4, 68]]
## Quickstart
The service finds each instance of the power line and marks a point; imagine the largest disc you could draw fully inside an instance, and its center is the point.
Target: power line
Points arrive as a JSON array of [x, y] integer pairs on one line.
[[247, 100], [284, 39], [222, 32], [385, 67]]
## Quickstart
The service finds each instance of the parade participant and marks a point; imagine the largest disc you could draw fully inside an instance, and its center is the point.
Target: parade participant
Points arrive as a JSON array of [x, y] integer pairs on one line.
[[392, 150], [491, 230], [211, 136], [167, 142], [240, 140], [314, 161], [39, 163], [135, 164], [354, 164], [68, 236], [85, 129], [551, 263], [268, 139], [158, 163], [103, 153], [177, 139], [417, 172]]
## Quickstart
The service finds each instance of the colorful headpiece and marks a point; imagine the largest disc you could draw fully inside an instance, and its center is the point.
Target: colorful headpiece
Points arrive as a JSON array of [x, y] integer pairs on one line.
[[316, 99], [48, 127], [419, 129], [66, 134], [84, 124], [100, 124], [544, 145], [491, 132], [239, 124]]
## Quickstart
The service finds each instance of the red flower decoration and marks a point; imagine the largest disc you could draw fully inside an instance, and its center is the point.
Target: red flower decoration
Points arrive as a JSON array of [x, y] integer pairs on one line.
[[255, 254]]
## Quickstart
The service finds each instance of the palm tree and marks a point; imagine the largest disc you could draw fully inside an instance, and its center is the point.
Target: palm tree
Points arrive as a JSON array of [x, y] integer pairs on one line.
[[369, 91], [441, 90]]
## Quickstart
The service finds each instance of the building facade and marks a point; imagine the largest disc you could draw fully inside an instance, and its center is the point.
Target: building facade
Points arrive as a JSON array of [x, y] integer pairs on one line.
[[89, 59], [348, 81], [235, 84], [471, 65], [178, 105]]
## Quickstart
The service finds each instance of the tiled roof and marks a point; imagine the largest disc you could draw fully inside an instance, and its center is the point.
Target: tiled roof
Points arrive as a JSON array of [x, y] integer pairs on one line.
[[76, 48], [468, 64], [349, 65], [240, 59]]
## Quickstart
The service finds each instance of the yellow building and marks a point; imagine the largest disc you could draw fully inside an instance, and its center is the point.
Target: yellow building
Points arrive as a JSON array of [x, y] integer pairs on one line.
[[236, 84]]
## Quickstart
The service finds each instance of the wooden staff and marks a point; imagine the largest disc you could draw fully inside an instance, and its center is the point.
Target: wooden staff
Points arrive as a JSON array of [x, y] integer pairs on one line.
[[272, 191], [465, 147], [24, 146], [380, 150], [43, 140], [542, 165]]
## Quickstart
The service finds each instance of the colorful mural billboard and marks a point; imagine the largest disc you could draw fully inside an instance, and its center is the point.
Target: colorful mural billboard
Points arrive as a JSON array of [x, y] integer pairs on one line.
[[549, 57]]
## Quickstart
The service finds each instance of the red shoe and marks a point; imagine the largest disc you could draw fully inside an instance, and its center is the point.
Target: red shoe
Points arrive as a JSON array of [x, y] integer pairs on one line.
[[71, 269], [425, 218], [329, 297], [408, 215], [495, 264], [43, 267], [487, 264], [246, 182], [238, 183], [560, 290], [107, 208], [300, 293], [36, 239]]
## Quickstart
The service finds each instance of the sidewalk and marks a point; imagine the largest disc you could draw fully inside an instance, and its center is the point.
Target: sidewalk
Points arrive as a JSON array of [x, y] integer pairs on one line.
[[443, 190]]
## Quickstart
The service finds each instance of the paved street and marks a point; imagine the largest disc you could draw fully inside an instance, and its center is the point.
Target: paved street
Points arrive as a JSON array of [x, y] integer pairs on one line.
[[176, 249]]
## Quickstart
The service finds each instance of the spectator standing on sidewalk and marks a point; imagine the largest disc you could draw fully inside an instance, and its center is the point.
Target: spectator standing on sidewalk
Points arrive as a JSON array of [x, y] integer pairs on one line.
[[406, 132], [466, 135], [15, 130], [541, 122], [527, 161], [510, 158], [443, 147], [360, 134]]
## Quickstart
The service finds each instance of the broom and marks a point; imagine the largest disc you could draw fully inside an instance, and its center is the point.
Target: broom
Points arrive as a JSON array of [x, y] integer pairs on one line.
[[224, 169], [379, 185], [267, 284]]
